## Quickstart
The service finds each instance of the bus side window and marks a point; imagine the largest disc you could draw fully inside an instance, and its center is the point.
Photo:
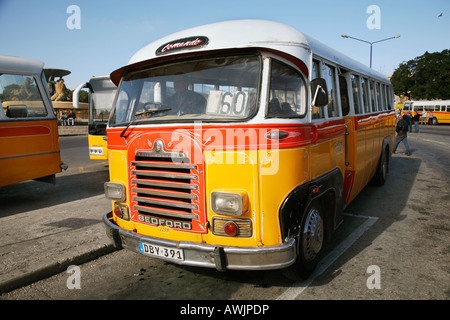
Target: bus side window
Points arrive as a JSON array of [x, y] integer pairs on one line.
[[365, 95], [21, 97], [287, 92], [379, 104], [344, 95], [329, 73], [356, 95], [383, 96], [372, 95], [317, 112]]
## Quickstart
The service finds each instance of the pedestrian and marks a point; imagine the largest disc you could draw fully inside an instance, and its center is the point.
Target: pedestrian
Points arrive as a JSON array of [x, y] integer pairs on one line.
[[424, 116], [62, 116], [402, 134], [71, 116], [410, 121], [416, 120], [430, 118]]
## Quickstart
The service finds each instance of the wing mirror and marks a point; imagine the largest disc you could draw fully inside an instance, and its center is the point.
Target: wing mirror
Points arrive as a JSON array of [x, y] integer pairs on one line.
[[319, 92]]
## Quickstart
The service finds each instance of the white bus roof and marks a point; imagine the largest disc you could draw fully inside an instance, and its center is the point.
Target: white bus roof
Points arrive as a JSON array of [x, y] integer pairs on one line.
[[242, 34], [429, 102], [10, 64]]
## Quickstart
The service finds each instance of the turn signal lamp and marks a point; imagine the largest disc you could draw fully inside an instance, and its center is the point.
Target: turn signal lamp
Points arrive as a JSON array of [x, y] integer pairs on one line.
[[227, 203], [121, 211]]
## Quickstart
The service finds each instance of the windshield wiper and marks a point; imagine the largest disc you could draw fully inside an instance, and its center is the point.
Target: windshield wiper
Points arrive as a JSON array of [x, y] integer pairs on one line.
[[151, 112], [143, 113]]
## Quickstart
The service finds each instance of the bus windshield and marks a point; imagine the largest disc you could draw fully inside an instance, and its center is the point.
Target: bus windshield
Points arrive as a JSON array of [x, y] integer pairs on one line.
[[221, 88]]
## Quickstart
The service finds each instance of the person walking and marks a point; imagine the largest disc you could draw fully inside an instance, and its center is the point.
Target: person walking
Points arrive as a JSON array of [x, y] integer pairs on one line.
[[416, 119], [410, 121], [402, 134]]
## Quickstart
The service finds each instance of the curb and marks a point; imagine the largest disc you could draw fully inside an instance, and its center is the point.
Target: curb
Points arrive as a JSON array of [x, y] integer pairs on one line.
[[54, 268]]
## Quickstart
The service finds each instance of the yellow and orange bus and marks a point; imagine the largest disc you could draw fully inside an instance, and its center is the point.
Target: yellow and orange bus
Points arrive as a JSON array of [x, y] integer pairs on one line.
[[101, 93], [238, 145], [439, 110], [29, 141]]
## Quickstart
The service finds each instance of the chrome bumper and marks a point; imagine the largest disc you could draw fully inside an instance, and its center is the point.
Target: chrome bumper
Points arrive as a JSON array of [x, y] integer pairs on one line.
[[210, 256]]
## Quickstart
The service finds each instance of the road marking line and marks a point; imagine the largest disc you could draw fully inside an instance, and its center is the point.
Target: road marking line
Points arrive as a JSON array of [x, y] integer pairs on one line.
[[298, 287]]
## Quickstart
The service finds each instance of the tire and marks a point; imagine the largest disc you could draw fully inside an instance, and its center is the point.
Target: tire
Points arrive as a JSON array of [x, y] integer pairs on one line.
[[434, 121], [383, 167], [311, 239]]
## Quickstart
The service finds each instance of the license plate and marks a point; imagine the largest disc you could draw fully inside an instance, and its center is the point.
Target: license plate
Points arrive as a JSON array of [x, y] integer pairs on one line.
[[161, 251]]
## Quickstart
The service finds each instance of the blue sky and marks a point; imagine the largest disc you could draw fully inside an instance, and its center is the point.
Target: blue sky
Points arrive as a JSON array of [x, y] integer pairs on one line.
[[112, 31]]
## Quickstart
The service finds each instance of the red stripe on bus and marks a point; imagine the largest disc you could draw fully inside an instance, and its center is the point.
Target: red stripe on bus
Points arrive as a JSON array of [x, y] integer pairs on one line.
[[14, 132]]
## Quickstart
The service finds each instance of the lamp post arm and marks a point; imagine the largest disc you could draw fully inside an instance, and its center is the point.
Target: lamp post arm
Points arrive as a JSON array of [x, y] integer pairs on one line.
[[386, 39]]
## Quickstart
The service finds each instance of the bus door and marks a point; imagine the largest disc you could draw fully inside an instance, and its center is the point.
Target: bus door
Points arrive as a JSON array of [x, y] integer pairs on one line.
[[101, 92], [29, 141]]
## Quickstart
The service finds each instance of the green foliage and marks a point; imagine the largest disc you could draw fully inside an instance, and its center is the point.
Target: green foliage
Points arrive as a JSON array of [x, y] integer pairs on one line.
[[83, 96], [424, 78]]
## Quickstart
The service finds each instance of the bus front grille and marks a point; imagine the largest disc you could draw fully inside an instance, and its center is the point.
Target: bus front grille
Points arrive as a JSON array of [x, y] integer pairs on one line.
[[167, 189]]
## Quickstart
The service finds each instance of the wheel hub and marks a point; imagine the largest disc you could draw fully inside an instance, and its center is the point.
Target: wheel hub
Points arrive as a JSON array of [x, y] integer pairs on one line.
[[312, 234]]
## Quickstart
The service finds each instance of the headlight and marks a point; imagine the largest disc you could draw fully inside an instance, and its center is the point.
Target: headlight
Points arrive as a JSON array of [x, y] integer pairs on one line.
[[234, 204], [115, 191]]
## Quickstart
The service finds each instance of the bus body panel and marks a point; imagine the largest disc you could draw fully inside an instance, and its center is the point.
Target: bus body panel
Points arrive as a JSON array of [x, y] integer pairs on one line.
[[28, 151], [365, 141], [98, 147]]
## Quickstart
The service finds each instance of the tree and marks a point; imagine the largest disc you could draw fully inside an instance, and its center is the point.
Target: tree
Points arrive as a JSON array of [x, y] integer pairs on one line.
[[424, 78]]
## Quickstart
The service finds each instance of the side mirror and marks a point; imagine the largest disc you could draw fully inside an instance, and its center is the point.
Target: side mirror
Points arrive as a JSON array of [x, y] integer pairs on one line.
[[319, 92]]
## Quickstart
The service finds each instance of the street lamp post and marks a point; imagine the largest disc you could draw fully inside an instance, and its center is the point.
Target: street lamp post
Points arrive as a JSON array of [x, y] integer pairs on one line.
[[371, 43]]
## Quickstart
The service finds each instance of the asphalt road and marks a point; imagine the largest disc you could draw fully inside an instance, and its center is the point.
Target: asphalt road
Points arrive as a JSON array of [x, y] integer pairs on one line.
[[394, 244]]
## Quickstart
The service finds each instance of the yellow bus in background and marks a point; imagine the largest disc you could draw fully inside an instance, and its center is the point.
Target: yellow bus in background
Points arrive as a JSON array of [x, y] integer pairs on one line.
[[440, 110], [29, 141], [238, 145], [101, 92]]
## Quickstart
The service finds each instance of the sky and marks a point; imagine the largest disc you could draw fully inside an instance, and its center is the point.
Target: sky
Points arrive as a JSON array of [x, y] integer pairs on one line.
[[109, 32]]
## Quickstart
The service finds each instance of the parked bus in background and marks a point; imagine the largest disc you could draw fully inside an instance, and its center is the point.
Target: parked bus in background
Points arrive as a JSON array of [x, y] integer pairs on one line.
[[101, 92], [29, 141], [439, 108], [237, 145]]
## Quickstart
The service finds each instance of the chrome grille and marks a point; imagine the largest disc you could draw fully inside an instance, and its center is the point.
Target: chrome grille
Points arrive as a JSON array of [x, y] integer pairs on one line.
[[165, 187]]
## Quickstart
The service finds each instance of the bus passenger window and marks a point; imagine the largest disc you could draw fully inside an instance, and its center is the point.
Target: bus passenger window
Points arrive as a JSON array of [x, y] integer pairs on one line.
[[356, 96], [372, 96], [287, 92], [344, 95], [329, 76], [20, 97], [379, 97], [365, 95], [383, 95], [317, 112]]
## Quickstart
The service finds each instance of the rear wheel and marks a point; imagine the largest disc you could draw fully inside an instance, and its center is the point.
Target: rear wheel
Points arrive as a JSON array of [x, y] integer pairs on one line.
[[311, 239], [380, 176]]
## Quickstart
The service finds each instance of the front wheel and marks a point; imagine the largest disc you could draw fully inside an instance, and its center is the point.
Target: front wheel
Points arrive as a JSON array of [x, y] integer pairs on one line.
[[311, 239]]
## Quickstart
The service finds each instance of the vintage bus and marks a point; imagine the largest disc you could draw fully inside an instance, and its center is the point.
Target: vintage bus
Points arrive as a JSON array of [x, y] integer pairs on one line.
[[29, 141], [101, 92], [237, 145], [439, 108]]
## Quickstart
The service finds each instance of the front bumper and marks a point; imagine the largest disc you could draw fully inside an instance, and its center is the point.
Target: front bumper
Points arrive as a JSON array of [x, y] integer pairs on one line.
[[210, 256]]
